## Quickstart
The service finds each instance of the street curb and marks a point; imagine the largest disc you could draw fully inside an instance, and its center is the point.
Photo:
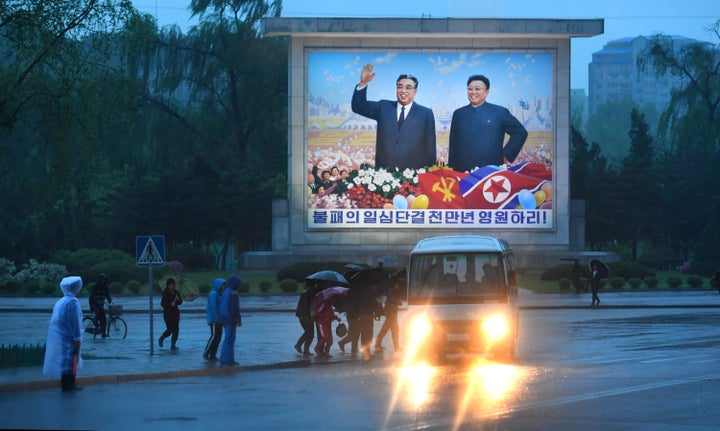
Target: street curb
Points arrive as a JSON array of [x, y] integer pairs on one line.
[[124, 378]]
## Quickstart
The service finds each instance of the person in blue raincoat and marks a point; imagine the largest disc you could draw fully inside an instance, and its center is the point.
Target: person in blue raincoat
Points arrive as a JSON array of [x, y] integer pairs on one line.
[[230, 318], [213, 319], [62, 351]]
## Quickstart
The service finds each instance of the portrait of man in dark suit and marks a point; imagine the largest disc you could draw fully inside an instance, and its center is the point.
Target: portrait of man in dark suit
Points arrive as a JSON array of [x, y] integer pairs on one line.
[[405, 130], [477, 131]]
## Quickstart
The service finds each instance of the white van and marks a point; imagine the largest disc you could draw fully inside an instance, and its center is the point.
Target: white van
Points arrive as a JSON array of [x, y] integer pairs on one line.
[[462, 298]]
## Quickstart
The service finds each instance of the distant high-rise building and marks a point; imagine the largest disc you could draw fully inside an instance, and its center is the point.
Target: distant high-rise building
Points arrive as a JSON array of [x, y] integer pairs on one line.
[[613, 74]]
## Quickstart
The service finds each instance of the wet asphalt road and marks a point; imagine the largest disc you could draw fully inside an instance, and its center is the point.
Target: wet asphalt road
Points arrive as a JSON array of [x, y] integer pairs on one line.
[[601, 369]]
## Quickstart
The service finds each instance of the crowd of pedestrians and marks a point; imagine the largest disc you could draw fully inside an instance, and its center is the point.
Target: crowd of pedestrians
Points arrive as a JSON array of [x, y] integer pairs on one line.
[[371, 294]]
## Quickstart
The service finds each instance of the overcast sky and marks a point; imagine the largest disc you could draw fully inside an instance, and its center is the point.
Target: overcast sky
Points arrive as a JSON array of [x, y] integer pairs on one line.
[[623, 18]]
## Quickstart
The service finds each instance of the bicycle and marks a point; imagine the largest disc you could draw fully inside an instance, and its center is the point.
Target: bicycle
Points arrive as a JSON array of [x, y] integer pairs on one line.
[[116, 325]]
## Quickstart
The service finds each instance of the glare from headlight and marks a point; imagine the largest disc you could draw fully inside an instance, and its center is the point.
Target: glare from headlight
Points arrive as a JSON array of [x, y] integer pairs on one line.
[[420, 328], [495, 327]]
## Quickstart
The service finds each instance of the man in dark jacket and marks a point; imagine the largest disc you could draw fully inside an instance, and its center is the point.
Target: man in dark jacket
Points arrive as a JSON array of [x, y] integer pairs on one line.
[[100, 293], [302, 312]]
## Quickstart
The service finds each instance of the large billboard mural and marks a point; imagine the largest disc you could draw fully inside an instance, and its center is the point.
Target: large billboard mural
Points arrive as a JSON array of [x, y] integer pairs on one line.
[[370, 166]]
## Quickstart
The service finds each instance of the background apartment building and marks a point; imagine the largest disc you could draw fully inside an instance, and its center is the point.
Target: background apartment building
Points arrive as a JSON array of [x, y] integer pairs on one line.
[[613, 74]]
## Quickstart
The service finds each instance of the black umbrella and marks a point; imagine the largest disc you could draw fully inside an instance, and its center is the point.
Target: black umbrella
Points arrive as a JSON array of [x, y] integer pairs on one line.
[[331, 276], [602, 267]]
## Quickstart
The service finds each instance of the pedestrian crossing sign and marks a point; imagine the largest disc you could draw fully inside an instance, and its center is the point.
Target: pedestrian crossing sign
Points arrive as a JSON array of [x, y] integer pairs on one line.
[[150, 250]]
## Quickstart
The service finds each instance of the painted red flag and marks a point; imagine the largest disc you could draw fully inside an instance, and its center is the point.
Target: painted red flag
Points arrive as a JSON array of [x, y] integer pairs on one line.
[[442, 187]]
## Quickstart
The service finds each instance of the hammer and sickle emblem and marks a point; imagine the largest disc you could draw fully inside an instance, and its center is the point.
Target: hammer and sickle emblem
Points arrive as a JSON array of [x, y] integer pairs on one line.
[[445, 186]]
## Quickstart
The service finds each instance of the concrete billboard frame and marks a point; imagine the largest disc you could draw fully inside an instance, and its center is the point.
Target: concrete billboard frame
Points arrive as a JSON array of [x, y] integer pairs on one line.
[[293, 241]]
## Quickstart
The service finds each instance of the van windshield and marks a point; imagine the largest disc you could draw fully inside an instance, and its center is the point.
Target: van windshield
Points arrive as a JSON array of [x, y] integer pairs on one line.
[[456, 278]]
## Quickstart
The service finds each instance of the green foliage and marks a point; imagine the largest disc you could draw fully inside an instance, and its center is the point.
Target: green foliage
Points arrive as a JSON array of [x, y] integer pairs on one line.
[[564, 283], [134, 286], [694, 281], [674, 281], [299, 271], [10, 287], [616, 282], [7, 269], [704, 268], [651, 281], [289, 285], [138, 129], [627, 269], [41, 271], [265, 286], [660, 258], [690, 127], [31, 287], [49, 288], [193, 258], [116, 288], [26, 355], [204, 288], [90, 263], [244, 287], [635, 282], [558, 272]]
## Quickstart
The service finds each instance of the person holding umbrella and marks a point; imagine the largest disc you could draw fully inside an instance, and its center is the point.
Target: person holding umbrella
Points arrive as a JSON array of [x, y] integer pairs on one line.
[[322, 309], [62, 352]]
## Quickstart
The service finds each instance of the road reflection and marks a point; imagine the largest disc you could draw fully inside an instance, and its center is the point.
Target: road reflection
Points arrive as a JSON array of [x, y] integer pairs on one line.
[[481, 388]]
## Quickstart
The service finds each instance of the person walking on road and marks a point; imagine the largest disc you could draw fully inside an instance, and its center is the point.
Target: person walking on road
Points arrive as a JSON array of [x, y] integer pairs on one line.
[[170, 301], [62, 351], [595, 284], [390, 310], [213, 319], [230, 318], [302, 311], [324, 317]]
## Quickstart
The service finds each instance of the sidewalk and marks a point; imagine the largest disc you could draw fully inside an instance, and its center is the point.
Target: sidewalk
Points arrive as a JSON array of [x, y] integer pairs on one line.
[[266, 339]]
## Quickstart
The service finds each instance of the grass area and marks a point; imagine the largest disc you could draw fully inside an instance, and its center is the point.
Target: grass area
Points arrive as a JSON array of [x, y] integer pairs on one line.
[[534, 283], [531, 281]]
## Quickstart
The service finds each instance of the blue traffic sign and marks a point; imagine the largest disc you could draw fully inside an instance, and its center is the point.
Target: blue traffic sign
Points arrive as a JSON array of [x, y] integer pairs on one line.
[[150, 250]]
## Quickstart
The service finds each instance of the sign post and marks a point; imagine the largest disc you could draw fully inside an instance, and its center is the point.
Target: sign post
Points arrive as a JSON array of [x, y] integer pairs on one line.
[[150, 252]]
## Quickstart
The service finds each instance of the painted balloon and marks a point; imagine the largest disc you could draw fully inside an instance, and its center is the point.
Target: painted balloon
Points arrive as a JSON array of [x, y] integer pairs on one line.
[[547, 188], [400, 202], [410, 200], [421, 202], [539, 197], [527, 200], [388, 206]]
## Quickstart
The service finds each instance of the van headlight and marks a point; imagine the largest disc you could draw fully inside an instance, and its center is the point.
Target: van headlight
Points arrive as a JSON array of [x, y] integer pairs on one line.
[[496, 327], [420, 328]]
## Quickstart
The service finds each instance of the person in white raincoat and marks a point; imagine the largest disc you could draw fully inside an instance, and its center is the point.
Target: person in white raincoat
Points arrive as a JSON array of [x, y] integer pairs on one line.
[[62, 350]]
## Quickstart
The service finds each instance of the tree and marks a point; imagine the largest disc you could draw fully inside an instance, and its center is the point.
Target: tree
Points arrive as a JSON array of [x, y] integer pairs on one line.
[[49, 120], [690, 130], [218, 98], [592, 180], [637, 187]]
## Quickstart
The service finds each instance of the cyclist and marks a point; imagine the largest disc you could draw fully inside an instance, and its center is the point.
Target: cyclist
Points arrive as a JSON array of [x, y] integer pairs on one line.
[[100, 293]]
